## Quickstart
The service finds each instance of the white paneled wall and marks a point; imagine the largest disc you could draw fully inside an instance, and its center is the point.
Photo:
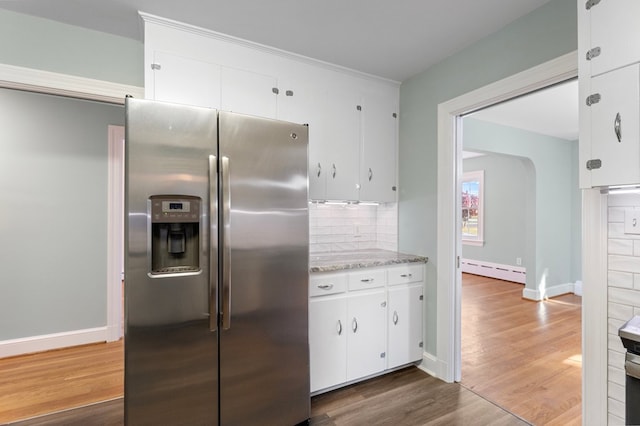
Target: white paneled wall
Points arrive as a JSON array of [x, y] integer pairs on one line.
[[353, 227], [623, 295]]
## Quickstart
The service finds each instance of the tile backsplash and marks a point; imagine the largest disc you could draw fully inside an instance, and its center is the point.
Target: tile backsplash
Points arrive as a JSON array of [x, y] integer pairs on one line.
[[623, 287], [352, 227]]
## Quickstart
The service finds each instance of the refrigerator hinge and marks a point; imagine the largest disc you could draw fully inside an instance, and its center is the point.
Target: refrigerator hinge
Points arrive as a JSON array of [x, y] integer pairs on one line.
[[591, 3]]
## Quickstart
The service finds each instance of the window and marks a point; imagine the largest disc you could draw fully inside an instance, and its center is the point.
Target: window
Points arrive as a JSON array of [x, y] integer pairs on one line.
[[472, 208]]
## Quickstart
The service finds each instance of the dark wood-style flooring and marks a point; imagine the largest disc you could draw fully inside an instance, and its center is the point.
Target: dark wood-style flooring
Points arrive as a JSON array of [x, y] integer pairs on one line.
[[519, 355], [406, 397]]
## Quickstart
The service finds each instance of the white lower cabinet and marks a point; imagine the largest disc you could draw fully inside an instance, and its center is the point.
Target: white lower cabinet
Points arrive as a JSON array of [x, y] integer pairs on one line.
[[366, 334], [327, 341], [405, 325], [371, 324]]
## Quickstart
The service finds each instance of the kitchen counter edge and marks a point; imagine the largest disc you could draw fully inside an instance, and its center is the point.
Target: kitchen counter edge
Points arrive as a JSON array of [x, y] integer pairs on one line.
[[340, 261]]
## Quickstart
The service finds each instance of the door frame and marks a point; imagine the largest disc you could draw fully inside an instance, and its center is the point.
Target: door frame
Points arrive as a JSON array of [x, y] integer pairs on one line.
[[115, 232], [28, 79], [449, 245]]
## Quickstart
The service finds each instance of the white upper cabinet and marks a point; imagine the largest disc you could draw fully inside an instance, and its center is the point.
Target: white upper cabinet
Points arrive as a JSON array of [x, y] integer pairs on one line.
[[379, 147], [615, 34], [348, 113], [341, 145], [184, 80], [248, 92], [300, 101], [609, 80], [615, 127]]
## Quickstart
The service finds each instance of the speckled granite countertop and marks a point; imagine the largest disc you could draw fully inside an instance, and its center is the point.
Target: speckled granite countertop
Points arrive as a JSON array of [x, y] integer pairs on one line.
[[337, 261]]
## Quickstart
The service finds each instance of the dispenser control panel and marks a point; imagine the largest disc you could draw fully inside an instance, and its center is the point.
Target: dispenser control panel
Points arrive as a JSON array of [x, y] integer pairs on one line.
[[170, 210]]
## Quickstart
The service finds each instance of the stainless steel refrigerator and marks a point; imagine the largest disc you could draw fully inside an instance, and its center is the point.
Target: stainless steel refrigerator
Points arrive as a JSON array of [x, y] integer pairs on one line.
[[216, 268]]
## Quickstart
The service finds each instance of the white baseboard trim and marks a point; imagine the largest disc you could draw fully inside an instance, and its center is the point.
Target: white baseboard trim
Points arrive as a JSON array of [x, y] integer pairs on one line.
[[551, 291], [52, 341], [577, 288], [429, 364], [517, 274]]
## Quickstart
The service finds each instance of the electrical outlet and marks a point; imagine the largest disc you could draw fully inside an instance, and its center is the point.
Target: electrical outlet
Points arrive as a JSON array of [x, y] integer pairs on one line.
[[632, 221], [519, 261]]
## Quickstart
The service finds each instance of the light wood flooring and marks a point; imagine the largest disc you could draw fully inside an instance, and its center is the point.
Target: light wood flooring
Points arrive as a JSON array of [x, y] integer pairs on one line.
[[520, 355], [524, 356]]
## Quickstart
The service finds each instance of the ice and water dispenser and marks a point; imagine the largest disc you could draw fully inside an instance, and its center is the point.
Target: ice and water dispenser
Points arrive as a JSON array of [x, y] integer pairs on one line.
[[175, 234], [630, 335]]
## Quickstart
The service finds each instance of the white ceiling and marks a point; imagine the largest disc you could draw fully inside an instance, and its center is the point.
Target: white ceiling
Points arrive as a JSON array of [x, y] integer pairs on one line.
[[552, 112], [395, 39]]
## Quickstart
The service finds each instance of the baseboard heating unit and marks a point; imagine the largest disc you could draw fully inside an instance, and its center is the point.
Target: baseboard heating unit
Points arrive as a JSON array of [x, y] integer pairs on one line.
[[517, 274]]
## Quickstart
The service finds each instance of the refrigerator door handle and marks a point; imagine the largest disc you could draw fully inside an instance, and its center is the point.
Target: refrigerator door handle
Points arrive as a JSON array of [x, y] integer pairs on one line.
[[213, 244], [226, 250]]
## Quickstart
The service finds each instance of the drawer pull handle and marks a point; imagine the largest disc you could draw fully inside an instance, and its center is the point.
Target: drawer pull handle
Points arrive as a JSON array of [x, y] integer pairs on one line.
[[367, 280], [339, 328], [406, 275], [395, 317], [325, 286], [354, 325]]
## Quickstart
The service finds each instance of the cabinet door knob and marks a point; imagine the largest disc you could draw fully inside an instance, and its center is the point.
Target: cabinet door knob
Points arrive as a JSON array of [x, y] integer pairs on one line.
[[395, 317], [354, 325], [333, 174], [370, 174], [319, 169], [339, 328]]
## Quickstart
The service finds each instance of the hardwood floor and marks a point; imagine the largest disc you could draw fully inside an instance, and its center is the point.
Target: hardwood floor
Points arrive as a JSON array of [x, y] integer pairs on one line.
[[524, 356], [406, 397], [520, 355], [35, 384]]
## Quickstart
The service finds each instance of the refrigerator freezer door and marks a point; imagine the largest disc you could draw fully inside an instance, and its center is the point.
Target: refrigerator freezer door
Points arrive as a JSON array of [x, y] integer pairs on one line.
[[171, 354], [264, 352]]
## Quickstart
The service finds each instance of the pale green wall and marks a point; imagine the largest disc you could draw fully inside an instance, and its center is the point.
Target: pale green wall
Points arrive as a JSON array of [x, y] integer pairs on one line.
[[32, 42], [508, 197], [53, 213], [555, 162], [542, 35]]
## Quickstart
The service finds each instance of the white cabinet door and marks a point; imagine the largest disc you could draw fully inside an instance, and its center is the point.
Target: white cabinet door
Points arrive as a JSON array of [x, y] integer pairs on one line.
[[306, 103], [615, 131], [185, 81], [615, 31], [366, 328], [248, 92], [378, 165], [405, 325], [327, 342], [342, 145]]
